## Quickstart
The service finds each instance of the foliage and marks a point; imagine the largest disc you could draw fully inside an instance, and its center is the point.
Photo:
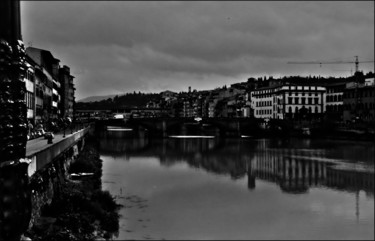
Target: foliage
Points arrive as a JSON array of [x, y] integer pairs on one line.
[[129, 100], [81, 211]]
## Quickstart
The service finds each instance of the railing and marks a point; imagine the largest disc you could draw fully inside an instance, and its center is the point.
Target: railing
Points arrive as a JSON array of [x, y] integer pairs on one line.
[[46, 154]]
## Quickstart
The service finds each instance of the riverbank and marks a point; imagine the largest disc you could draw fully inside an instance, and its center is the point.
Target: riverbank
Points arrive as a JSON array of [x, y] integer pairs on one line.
[[80, 210], [323, 130]]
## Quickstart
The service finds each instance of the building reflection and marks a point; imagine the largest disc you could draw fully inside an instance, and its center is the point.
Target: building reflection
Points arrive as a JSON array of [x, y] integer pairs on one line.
[[295, 173], [120, 143], [294, 167]]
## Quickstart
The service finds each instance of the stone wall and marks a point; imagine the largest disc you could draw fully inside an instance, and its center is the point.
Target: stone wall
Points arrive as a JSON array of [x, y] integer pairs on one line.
[[46, 182]]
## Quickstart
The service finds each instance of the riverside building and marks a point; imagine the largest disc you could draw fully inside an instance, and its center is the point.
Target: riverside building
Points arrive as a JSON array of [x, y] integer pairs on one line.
[[288, 102]]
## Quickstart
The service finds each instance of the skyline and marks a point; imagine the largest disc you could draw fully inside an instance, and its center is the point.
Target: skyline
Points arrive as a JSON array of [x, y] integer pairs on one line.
[[118, 47]]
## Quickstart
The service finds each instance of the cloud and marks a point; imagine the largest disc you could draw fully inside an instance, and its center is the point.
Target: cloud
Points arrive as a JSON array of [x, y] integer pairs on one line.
[[145, 45]]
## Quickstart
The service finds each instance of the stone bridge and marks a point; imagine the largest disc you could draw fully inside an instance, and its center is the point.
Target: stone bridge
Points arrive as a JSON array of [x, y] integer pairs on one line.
[[187, 126]]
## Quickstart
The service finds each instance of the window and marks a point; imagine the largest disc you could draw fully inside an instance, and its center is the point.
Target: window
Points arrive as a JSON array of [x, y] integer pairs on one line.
[[296, 101], [290, 100], [303, 101], [316, 101], [310, 101], [29, 98]]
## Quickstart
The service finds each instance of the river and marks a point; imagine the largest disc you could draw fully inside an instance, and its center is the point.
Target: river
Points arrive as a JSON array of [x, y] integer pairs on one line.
[[212, 188]]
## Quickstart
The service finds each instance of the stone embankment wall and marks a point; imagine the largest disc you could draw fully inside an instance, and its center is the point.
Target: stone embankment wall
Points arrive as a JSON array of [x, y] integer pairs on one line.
[[48, 170]]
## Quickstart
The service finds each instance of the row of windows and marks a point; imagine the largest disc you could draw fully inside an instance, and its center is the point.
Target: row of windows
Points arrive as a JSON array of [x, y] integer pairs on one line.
[[291, 101], [29, 98], [296, 110], [360, 106], [272, 91], [288, 110], [302, 94], [289, 93], [263, 103], [263, 112], [335, 90], [296, 101], [360, 93], [333, 98], [334, 108]]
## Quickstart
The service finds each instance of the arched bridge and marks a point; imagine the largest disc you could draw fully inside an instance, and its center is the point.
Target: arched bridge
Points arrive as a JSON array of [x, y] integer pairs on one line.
[[188, 126]]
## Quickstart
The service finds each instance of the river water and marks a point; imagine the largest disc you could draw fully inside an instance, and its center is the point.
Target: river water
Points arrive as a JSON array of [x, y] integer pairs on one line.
[[211, 188]]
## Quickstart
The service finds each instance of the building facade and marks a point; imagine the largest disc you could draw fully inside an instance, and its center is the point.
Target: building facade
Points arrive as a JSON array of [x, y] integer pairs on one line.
[[50, 88], [67, 92], [359, 102], [288, 102], [334, 101], [30, 91], [47, 85]]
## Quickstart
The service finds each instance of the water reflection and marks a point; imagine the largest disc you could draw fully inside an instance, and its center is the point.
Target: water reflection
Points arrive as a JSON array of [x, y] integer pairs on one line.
[[294, 170], [241, 188]]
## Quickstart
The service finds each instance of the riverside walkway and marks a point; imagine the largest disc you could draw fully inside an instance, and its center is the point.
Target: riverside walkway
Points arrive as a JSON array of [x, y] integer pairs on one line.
[[39, 152], [39, 144]]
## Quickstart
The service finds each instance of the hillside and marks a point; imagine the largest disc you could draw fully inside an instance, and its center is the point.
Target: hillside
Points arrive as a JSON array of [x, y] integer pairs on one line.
[[96, 98], [129, 100]]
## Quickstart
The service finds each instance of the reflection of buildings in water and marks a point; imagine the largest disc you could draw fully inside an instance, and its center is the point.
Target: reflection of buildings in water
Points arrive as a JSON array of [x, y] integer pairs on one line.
[[122, 142], [296, 173], [293, 169], [197, 145], [213, 155], [292, 174], [350, 180]]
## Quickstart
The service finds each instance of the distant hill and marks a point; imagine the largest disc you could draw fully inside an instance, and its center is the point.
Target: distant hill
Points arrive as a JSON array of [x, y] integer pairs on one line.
[[114, 101], [96, 98]]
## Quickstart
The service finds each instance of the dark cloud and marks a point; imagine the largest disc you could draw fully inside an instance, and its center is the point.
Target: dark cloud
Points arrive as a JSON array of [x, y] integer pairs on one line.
[[115, 46]]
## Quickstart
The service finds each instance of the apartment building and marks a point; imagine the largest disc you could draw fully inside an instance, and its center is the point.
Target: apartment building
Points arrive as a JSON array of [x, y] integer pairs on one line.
[[359, 101], [288, 102], [334, 101], [29, 79], [67, 92], [50, 88], [47, 85]]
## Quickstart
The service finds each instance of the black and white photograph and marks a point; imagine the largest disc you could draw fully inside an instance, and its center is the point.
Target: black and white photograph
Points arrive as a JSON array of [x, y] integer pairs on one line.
[[187, 120]]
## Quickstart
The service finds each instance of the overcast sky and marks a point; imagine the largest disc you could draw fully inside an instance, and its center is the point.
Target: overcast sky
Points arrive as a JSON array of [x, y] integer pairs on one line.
[[117, 47]]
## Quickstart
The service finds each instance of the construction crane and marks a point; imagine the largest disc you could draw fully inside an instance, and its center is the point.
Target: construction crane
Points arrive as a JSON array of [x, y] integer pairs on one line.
[[356, 62]]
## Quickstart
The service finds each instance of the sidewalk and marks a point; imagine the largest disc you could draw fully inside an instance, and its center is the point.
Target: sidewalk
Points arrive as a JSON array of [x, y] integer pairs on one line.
[[40, 143]]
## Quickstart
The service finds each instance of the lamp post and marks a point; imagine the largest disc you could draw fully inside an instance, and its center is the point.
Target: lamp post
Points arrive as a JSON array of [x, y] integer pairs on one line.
[[15, 201]]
